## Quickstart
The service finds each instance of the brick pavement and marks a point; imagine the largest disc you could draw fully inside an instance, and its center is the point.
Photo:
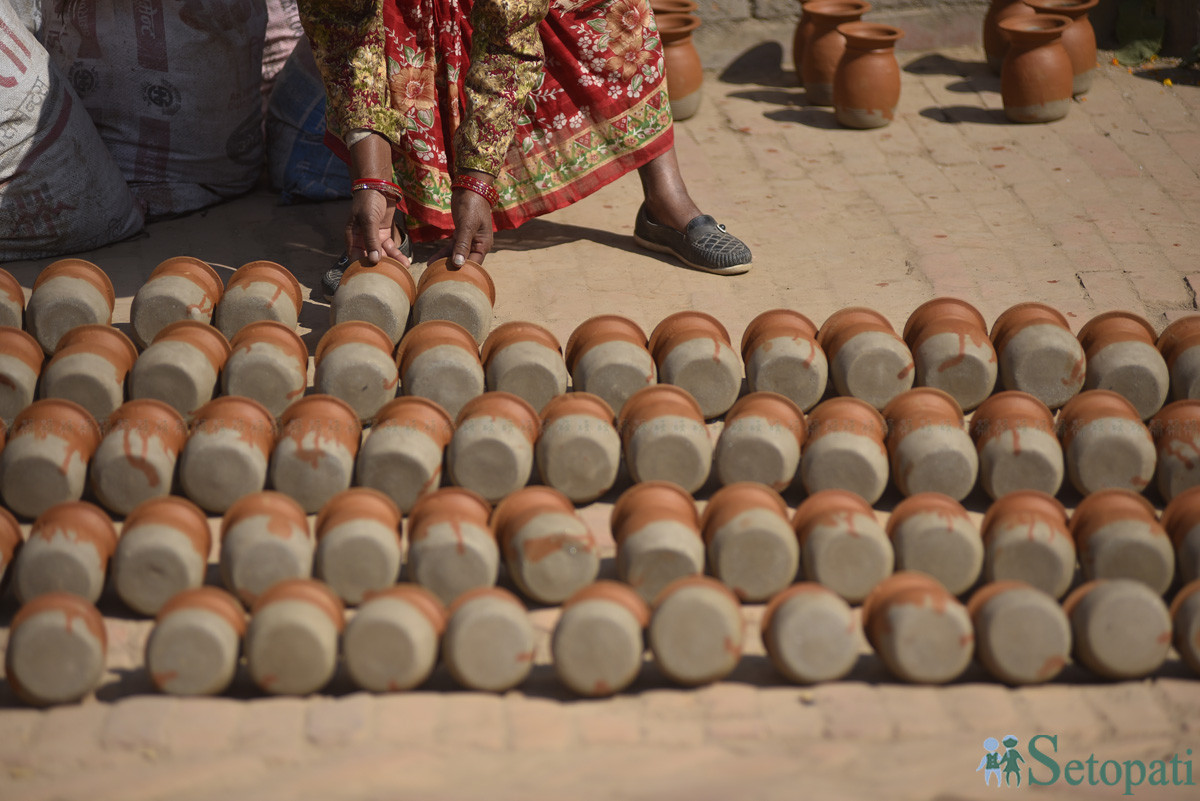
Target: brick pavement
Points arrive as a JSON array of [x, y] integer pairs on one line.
[[1098, 211]]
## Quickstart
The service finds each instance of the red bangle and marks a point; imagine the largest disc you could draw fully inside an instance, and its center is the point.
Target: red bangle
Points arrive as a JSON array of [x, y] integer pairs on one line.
[[473, 184], [385, 188]]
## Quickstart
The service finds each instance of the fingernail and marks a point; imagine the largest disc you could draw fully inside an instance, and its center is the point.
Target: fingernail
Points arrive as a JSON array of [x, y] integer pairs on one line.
[[460, 259], [374, 255]]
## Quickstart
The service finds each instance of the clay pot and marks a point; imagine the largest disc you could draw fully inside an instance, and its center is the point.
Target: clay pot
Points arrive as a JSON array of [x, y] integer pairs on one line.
[[66, 294], [578, 451], [1018, 448], [928, 445], [810, 634], [1185, 618], [45, 459], [264, 540], [845, 449], [995, 40], [260, 290], [163, 551], [1117, 535], [194, 646], [380, 294], [314, 456], [136, 459], [402, 454], [68, 549], [1120, 628], [696, 631], [800, 39], [50, 658], [451, 547], [607, 356], [920, 632], [292, 640], [1079, 38], [867, 359], [89, 367], [761, 441], [951, 350], [20, 366], [693, 352], [1022, 635], [933, 534], [354, 363], [526, 360], [1036, 79], [439, 360], [464, 295], [1178, 346], [11, 540], [781, 354], [681, 63], [227, 452], [663, 7], [358, 543], [489, 640], [1176, 432], [1121, 356], [1038, 354], [391, 643], [657, 533], [823, 51], [180, 288], [1025, 537], [665, 438], [866, 84], [842, 545], [181, 367], [751, 545], [602, 612], [268, 363], [1105, 443], [12, 301], [548, 549], [1181, 520], [491, 451]]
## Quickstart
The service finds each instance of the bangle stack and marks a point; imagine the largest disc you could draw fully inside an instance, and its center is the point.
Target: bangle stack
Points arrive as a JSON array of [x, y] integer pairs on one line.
[[385, 188], [473, 184]]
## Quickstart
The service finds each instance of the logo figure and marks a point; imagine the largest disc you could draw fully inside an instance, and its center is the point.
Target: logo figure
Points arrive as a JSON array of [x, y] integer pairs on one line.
[[990, 763], [1011, 759]]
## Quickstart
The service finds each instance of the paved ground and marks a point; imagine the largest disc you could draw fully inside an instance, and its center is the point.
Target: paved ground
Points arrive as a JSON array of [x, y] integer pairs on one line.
[[1095, 212]]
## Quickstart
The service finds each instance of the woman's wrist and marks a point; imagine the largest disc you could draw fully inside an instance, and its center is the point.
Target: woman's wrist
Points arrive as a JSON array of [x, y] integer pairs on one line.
[[481, 183]]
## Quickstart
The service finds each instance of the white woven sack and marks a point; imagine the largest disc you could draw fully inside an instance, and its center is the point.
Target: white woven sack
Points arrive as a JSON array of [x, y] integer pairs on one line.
[[60, 190], [173, 87]]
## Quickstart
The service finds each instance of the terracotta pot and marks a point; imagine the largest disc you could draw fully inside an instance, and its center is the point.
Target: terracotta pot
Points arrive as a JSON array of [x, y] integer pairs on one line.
[[180, 288], [526, 360], [253, 422], [391, 643], [1117, 535], [1038, 353], [842, 544], [203, 619], [1036, 79], [649, 501], [653, 402], [381, 294], [292, 641], [1176, 432], [1185, 617], [505, 406], [20, 366], [227, 452], [163, 551], [751, 545], [696, 631], [824, 49], [951, 350], [264, 540], [1025, 537], [1181, 520], [608, 611], [43, 634], [448, 504], [995, 40], [182, 366], [618, 593], [1121, 356], [796, 619], [259, 290], [451, 547], [12, 301], [136, 459], [932, 533], [1120, 628], [845, 449], [928, 446], [866, 84], [1178, 346], [463, 295], [664, 437], [402, 454], [780, 350], [314, 456], [578, 451], [268, 363], [1022, 635], [693, 351], [549, 551], [439, 360], [1079, 38], [45, 460], [761, 441], [1105, 443], [681, 63], [354, 363], [358, 543], [864, 354], [800, 39], [661, 7], [69, 548], [1018, 446], [489, 641], [68, 293], [491, 451], [920, 632], [11, 539], [657, 533], [89, 367], [607, 356]]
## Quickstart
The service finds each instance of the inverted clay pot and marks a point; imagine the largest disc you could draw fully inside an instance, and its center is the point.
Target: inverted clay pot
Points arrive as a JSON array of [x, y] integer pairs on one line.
[[920, 632], [1176, 432], [489, 640], [163, 551], [1121, 356], [292, 640], [951, 350], [264, 540], [751, 545], [227, 452], [995, 40], [867, 359], [67, 294], [358, 543], [696, 631], [491, 451], [823, 50], [439, 360], [1105, 443], [657, 532], [182, 366], [928, 445], [607, 356], [1120, 628], [842, 545], [1181, 520], [381, 294], [1036, 79], [598, 643], [781, 354], [314, 455], [1038, 353], [526, 360], [1179, 344], [1018, 448], [194, 646], [259, 290], [464, 295], [268, 363], [21, 362], [1117, 535], [1079, 38], [866, 83], [1185, 619], [681, 63], [548, 550], [51, 658], [391, 643], [89, 367], [180, 288], [402, 454], [761, 441], [354, 363], [451, 546], [693, 351], [1025, 537], [845, 449], [136, 459], [578, 451], [933, 534], [12, 301], [664, 437], [45, 460], [810, 634], [68, 550], [1022, 635]]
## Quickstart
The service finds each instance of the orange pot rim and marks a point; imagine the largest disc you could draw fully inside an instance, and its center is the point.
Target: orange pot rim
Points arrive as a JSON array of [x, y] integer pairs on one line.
[[247, 272], [84, 270]]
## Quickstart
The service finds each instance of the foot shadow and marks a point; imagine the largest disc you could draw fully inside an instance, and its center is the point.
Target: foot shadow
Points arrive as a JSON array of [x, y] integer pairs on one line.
[[539, 233], [955, 115], [761, 65]]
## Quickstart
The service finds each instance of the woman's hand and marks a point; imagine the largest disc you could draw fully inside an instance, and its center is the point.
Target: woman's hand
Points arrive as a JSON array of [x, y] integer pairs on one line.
[[369, 229], [472, 223]]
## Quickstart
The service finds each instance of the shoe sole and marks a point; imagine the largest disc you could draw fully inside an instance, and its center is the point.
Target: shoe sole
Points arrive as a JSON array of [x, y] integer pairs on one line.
[[737, 269]]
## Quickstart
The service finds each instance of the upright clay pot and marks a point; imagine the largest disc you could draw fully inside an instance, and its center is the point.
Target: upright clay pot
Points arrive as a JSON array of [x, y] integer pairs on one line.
[[995, 41], [268, 363], [1038, 353], [526, 360], [451, 545], [1018, 447], [402, 454], [1025, 537], [867, 359], [845, 449], [1181, 519], [1079, 38], [1176, 432], [194, 646], [21, 361], [358, 543], [800, 39], [180, 288], [1120, 628], [464, 295], [292, 640], [866, 84], [354, 363], [260, 290], [1121, 356], [67, 294], [182, 366], [314, 455], [665, 438], [136, 459], [1022, 635], [598, 644], [681, 62], [548, 549], [951, 350], [607, 356], [578, 451], [928, 445], [391, 643], [842, 545], [264, 540], [439, 360], [1036, 80], [824, 49], [933, 534], [920, 632], [751, 545], [12, 301], [810, 633], [696, 631], [45, 460], [781, 354], [1179, 344], [761, 441], [89, 367], [50, 657], [381, 294], [491, 451], [69, 547], [657, 532], [693, 352], [227, 452], [1117, 535], [163, 551], [489, 640], [1105, 443]]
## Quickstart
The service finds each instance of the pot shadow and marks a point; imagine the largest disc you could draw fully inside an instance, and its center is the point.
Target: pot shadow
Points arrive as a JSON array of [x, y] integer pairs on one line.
[[954, 115], [540, 233], [812, 116], [778, 97], [938, 64], [761, 65], [1179, 76]]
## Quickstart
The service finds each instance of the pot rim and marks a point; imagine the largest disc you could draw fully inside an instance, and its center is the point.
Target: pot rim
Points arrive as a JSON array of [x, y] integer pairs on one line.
[[88, 272], [289, 281]]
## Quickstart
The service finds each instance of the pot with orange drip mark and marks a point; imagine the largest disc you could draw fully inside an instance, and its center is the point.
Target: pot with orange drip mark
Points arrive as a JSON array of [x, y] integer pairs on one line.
[[182, 366], [180, 288], [136, 459], [1118, 535], [259, 290], [842, 544], [194, 646], [933, 534], [163, 551], [692, 351], [547, 548], [751, 547], [354, 363], [920, 632], [1105, 443], [227, 452], [1018, 448], [1022, 635], [867, 358], [780, 350], [12, 301], [489, 641], [607, 356], [264, 540], [402, 454], [491, 451], [269, 364], [21, 361], [67, 294], [928, 445], [358, 543], [657, 531], [68, 549], [951, 350], [1181, 519], [1038, 353], [314, 456], [45, 460], [89, 367], [599, 640], [1122, 356], [292, 639], [1176, 432], [1025, 537], [451, 545], [56, 649]]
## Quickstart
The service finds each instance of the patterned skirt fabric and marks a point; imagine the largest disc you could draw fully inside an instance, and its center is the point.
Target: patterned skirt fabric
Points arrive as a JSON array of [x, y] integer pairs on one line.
[[600, 111]]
